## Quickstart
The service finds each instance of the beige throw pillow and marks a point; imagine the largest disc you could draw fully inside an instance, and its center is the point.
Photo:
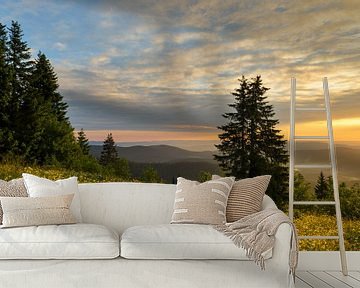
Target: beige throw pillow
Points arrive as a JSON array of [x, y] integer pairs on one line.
[[13, 188], [245, 197], [27, 211], [202, 203]]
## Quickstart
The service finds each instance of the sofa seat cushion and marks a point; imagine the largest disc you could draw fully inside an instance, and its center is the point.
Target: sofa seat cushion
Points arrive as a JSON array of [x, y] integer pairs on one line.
[[180, 241], [73, 241]]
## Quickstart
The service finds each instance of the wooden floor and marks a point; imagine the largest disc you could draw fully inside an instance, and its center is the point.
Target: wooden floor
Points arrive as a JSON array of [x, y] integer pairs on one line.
[[327, 279]]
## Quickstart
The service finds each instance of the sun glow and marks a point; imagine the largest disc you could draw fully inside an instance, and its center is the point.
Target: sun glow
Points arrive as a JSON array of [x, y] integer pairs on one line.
[[345, 129], [148, 136]]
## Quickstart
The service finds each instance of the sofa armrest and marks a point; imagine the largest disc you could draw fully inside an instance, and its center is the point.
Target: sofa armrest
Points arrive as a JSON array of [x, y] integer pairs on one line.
[[281, 253]]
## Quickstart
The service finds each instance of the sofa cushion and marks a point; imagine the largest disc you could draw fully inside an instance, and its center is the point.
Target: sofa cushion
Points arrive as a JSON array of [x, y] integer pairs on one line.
[[29, 211], [181, 241], [73, 241], [246, 197], [201, 203], [42, 187], [13, 188]]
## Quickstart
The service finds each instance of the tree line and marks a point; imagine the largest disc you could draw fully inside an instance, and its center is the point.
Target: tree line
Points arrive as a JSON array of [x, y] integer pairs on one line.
[[324, 191], [33, 120], [34, 127]]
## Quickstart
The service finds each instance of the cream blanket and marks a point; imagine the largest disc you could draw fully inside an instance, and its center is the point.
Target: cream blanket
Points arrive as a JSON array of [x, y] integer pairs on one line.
[[256, 234]]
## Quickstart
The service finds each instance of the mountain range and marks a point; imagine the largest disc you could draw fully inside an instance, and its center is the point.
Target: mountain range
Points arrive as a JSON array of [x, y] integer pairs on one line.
[[171, 162]]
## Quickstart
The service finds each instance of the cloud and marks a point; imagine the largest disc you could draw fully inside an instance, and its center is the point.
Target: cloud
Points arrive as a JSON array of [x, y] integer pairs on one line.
[[60, 46], [165, 64]]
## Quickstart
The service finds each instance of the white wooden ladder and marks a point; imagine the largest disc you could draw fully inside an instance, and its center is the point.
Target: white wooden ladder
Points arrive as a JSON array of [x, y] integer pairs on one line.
[[332, 166]]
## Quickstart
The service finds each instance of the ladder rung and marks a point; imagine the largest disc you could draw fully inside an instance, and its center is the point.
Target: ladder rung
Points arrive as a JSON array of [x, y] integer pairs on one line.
[[314, 202], [319, 237], [310, 109], [311, 137], [324, 166]]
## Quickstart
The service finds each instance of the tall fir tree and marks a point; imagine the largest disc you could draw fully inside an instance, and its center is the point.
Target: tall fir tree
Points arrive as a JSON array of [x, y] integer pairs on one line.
[[33, 121], [109, 153], [250, 144], [83, 142], [20, 65], [322, 189], [6, 134], [45, 80], [48, 135]]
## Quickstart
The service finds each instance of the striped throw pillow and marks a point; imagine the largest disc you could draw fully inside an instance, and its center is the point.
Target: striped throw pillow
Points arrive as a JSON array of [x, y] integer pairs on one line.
[[245, 197], [201, 203]]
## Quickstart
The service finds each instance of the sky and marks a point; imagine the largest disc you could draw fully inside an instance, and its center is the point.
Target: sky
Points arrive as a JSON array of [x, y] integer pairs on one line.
[[163, 70]]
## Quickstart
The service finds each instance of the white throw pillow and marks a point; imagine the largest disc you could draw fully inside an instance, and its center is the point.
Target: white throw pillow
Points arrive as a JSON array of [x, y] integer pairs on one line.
[[42, 187], [181, 241]]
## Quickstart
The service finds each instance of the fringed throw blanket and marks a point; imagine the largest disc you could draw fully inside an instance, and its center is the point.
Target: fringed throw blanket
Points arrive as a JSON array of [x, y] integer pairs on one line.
[[256, 234]]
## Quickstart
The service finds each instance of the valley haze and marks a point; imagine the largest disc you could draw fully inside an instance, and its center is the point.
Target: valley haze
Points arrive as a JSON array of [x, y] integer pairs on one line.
[[172, 162]]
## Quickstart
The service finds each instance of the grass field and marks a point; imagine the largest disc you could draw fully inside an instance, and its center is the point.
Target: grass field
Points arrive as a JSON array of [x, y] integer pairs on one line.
[[324, 225]]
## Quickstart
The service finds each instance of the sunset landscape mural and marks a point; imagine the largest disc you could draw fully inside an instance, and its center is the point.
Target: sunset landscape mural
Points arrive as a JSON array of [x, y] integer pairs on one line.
[[144, 86], [163, 70]]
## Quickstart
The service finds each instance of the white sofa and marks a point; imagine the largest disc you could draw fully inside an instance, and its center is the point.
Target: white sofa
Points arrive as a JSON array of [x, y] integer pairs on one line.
[[119, 206]]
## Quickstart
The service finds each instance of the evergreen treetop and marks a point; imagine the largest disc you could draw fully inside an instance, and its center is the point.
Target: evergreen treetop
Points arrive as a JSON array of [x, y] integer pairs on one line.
[[6, 138], [83, 142], [20, 68], [250, 144], [44, 79], [109, 153], [19, 58], [322, 189]]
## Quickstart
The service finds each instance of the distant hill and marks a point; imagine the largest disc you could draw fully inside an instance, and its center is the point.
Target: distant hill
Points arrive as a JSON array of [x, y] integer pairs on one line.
[[171, 170], [172, 161], [348, 162], [156, 154]]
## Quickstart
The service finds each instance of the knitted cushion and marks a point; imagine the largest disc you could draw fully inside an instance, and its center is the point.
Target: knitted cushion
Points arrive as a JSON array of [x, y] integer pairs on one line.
[[202, 203], [31, 211], [13, 188]]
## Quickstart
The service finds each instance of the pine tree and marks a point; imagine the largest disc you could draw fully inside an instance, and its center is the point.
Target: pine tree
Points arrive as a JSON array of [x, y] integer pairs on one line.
[[250, 143], [321, 187], [109, 152], [83, 142], [45, 80], [19, 60], [20, 67], [6, 135], [47, 133]]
